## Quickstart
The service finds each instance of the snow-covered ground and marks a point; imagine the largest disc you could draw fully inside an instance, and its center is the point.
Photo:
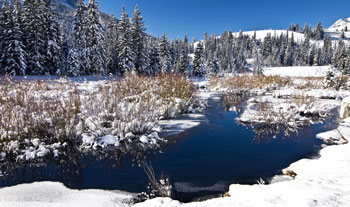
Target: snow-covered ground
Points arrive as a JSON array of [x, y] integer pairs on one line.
[[298, 71], [49, 194]]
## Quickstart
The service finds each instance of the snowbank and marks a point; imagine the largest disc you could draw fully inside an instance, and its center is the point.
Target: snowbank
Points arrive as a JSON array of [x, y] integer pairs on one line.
[[55, 194], [345, 108], [298, 71]]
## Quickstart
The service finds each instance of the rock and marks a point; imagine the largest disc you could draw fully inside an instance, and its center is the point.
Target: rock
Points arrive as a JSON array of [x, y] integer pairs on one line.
[[345, 108], [289, 172]]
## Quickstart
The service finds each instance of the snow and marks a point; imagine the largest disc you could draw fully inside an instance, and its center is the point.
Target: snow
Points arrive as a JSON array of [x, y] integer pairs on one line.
[[143, 139], [180, 124], [345, 108], [51, 194], [340, 25], [298, 71], [336, 136]]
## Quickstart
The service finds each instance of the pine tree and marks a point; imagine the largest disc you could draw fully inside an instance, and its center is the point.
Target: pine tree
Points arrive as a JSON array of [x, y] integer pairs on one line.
[[4, 24], [3, 32], [307, 31], [73, 63], [258, 60], [289, 57], [138, 37], [95, 40], [126, 55], [184, 59], [155, 60], [65, 48], [165, 55], [52, 62], [112, 45], [318, 57], [319, 33], [198, 62], [267, 46], [305, 50], [339, 57], [35, 27], [330, 79], [13, 56], [80, 32], [213, 65], [327, 51]]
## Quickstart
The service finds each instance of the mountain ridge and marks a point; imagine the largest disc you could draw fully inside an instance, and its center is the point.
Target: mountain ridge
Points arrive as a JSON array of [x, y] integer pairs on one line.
[[341, 25]]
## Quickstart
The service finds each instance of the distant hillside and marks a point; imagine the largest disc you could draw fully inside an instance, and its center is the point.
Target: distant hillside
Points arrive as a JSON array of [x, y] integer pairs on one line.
[[340, 26]]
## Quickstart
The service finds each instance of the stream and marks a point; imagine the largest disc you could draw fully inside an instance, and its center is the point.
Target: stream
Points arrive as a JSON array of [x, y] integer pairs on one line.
[[201, 162]]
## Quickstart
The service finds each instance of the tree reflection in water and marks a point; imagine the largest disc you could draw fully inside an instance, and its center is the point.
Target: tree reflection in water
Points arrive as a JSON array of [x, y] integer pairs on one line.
[[68, 167]]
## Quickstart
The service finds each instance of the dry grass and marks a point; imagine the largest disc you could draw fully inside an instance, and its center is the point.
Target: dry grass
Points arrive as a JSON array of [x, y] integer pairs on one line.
[[60, 110], [309, 83], [248, 82]]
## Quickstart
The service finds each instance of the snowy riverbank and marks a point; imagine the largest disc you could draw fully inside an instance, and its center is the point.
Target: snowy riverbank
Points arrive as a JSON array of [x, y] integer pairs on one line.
[[322, 181]]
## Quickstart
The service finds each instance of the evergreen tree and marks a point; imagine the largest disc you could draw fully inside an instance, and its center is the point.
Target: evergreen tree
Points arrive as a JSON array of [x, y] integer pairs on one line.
[[339, 57], [73, 63], [80, 32], [13, 56], [184, 59], [289, 58], [112, 45], [213, 65], [52, 62], [283, 48], [126, 56], [198, 62], [95, 40], [155, 60], [258, 60], [318, 57], [138, 37], [330, 79], [327, 51], [305, 50], [319, 33], [3, 32], [165, 55], [307, 31], [64, 52], [35, 27]]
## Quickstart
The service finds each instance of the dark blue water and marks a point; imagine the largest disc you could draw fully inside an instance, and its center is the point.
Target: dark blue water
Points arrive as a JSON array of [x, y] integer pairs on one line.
[[202, 161]]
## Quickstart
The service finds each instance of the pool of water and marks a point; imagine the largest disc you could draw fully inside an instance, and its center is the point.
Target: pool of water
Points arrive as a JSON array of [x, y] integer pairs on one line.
[[200, 162]]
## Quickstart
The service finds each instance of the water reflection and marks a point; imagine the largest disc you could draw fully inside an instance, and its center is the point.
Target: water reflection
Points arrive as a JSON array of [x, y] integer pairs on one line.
[[68, 167], [269, 121]]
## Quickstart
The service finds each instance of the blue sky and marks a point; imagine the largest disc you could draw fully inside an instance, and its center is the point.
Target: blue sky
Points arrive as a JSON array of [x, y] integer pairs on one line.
[[194, 17]]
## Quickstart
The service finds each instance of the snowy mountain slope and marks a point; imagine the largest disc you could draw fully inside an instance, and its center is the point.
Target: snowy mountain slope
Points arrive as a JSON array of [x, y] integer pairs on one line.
[[340, 25]]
